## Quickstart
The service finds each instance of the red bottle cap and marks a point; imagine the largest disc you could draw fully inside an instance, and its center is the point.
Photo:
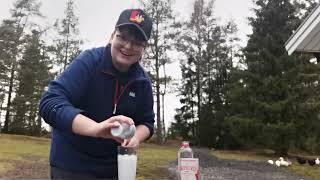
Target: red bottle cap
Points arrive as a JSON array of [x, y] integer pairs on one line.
[[185, 144]]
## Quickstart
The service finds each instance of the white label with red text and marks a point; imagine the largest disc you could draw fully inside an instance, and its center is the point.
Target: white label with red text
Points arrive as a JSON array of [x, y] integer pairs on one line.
[[189, 168]]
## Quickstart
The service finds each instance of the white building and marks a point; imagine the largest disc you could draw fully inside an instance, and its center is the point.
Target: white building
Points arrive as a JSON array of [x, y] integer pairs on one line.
[[307, 37]]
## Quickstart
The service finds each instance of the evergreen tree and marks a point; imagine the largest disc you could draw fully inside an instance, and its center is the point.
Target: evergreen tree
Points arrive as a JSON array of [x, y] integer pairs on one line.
[[6, 49], [305, 7], [267, 99], [218, 55], [12, 32], [184, 125], [193, 43], [157, 52], [206, 72], [33, 76], [67, 44]]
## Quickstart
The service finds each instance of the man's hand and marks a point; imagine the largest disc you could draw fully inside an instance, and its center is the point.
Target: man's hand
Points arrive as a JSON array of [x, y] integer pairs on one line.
[[103, 128], [87, 127], [133, 142], [142, 132]]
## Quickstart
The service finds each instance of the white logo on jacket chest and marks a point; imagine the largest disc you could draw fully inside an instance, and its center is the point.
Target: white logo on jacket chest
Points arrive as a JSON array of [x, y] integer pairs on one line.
[[132, 94]]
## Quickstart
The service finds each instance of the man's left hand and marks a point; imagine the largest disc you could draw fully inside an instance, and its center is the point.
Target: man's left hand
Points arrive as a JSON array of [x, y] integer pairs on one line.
[[133, 142]]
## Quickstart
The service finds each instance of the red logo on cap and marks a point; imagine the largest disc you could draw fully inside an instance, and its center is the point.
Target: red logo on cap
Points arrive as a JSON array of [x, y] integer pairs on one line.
[[136, 17]]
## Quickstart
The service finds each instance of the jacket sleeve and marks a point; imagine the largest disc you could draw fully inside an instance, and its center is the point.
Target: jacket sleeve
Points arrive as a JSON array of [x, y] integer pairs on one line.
[[58, 103], [145, 113]]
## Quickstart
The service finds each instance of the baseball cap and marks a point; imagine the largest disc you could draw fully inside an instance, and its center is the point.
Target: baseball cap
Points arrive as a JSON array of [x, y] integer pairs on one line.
[[137, 18]]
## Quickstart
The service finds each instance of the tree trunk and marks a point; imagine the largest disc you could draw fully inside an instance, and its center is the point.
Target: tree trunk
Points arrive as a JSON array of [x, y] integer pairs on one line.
[[0, 115], [7, 117], [66, 55], [159, 126], [163, 125], [39, 124], [163, 94], [198, 91]]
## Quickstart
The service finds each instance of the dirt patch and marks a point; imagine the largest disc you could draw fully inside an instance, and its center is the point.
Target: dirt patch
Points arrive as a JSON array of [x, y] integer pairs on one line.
[[32, 167]]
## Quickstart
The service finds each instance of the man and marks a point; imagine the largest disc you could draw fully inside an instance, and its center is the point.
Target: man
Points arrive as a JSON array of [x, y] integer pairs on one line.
[[100, 89]]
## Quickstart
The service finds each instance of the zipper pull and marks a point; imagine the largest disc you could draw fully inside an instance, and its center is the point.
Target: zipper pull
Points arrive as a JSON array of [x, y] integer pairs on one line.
[[115, 109]]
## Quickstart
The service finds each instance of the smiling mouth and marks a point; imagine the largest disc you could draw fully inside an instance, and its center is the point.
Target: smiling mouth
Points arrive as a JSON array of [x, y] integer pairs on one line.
[[125, 53]]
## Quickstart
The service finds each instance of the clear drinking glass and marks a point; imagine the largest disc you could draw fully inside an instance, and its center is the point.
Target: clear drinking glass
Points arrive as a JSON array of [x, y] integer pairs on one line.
[[127, 163]]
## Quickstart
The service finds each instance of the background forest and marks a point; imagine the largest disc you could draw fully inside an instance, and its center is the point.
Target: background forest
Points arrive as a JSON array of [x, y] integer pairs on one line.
[[231, 96]]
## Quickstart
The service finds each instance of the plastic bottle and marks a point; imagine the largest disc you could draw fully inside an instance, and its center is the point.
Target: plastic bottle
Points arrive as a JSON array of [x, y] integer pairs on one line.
[[124, 131], [184, 152]]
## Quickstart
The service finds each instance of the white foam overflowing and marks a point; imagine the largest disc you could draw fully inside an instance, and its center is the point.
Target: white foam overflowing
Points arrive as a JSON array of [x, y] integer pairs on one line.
[[127, 165]]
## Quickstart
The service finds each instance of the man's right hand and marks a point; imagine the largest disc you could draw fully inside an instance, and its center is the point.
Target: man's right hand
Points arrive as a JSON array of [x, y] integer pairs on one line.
[[104, 127], [87, 127]]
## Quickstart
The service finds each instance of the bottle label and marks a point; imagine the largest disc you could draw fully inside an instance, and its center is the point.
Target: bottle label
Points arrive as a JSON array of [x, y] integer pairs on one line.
[[189, 169]]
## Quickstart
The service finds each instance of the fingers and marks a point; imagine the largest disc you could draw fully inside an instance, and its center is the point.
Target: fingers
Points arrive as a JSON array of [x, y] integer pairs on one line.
[[115, 124], [125, 142], [115, 121], [108, 125], [119, 140], [133, 142], [122, 119]]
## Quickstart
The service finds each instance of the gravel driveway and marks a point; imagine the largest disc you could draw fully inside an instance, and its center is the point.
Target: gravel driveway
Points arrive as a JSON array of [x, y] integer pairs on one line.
[[212, 168]]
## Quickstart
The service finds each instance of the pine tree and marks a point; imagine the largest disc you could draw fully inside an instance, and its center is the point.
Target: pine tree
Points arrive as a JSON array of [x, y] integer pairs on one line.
[[219, 56], [193, 43], [67, 43], [267, 100], [6, 49], [184, 125], [33, 76], [305, 7], [206, 72], [157, 52], [12, 34]]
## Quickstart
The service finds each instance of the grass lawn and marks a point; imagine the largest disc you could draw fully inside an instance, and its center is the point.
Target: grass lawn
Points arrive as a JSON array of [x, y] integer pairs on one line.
[[312, 172], [27, 157], [153, 161], [24, 156]]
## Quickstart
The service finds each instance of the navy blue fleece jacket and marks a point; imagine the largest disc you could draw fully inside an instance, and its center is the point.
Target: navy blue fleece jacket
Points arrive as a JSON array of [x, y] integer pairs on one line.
[[88, 86]]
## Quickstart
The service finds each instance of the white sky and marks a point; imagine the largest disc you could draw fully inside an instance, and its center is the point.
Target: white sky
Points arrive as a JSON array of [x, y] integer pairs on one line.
[[98, 17]]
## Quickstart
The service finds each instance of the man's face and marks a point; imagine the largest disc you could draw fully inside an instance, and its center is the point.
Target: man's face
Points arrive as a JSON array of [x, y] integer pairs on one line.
[[126, 49]]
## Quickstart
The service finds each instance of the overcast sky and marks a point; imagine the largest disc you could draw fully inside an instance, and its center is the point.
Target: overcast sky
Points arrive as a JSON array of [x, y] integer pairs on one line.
[[98, 17]]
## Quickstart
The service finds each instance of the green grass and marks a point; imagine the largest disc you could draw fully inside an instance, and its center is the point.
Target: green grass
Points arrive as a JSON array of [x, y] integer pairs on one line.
[[20, 150], [19, 153], [15, 146], [153, 161], [245, 155], [312, 172]]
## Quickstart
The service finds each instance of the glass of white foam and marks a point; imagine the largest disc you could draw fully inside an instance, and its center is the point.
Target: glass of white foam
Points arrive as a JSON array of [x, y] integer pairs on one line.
[[127, 163]]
